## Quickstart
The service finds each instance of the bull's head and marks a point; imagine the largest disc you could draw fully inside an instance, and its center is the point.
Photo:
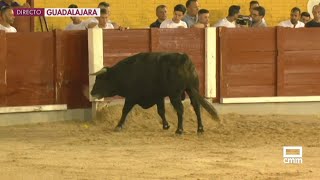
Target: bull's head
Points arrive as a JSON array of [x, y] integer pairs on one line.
[[104, 85]]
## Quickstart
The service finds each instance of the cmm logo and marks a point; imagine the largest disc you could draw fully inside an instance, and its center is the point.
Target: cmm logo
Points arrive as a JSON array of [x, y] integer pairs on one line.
[[292, 154]]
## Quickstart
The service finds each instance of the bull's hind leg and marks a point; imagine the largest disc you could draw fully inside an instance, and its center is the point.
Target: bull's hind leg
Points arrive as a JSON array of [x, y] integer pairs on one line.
[[125, 111], [178, 106], [161, 112], [196, 106]]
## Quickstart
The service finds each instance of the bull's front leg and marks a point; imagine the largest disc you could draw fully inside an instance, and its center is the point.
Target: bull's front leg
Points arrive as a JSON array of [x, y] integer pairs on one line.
[[125, 111]]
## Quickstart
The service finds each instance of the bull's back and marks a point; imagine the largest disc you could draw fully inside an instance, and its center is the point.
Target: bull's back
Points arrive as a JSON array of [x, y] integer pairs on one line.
[[155, 74]]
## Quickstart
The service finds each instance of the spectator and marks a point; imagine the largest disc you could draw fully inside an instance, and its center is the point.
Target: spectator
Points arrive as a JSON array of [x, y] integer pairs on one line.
[[176, 21], [191, 16], [7, 19], [257, 15], [93, 22], [13, 4], [316, 17], [77, 23], [294, 19], [252, 5], [230, 20], [103, 20], [305, 17], [203, 19], [107, 6], [161, 12], [104, 5]]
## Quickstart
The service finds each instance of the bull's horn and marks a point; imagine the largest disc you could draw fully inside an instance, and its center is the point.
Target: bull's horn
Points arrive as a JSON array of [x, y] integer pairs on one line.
[[103, 70]]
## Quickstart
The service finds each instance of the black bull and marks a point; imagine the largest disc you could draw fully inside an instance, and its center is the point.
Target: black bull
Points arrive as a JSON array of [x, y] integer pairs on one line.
[[147, 78]]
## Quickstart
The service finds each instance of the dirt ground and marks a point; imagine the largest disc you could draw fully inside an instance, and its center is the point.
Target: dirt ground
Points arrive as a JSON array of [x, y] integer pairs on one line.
[[245, 147]]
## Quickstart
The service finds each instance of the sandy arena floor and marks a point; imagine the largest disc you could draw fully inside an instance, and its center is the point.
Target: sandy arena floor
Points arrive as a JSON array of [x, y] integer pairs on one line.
[[246, 147]]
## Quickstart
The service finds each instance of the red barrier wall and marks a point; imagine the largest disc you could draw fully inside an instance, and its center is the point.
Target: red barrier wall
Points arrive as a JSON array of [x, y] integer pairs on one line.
[[248, 62], [44, 68], [3, 67], [29, 68], [298, 62], [266, 62], [52, 67]]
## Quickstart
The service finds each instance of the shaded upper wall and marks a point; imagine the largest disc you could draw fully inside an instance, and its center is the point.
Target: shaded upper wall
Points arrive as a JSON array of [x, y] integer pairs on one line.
[[141, 13]]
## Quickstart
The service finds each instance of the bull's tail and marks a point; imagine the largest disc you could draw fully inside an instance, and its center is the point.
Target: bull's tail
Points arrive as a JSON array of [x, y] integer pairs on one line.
[[204, 103]]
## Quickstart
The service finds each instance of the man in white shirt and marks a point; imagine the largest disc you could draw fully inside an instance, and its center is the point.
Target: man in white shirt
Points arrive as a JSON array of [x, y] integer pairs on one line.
[[230, 20], [103, 20], [176, 21], [293, 22], [7, 19], [77, 23], [92, 22]]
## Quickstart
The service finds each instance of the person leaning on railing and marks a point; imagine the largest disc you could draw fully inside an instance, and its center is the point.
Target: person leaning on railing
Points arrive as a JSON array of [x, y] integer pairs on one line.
[[93, 22], [7, 19], [103, 20], [77, 23], [13, 4]]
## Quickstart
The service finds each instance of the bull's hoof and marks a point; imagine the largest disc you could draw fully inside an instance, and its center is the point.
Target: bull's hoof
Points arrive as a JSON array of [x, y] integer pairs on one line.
[[166, 126], [179, 131], [118, 129], [200, 130]]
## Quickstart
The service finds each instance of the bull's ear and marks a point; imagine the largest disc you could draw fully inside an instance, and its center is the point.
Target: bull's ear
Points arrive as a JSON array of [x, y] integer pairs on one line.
[[103, 70]]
